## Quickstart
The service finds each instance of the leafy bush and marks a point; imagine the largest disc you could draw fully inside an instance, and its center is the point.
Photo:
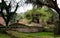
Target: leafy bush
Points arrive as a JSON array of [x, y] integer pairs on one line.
[[49, 28]]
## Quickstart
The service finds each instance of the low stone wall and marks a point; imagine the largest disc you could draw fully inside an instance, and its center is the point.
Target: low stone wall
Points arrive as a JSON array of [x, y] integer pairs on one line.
[[29, 29], [25, 28]]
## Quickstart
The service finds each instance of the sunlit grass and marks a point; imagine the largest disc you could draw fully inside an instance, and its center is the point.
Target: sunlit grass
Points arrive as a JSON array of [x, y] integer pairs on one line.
[[5, 36], [28, 35], [32, 35]]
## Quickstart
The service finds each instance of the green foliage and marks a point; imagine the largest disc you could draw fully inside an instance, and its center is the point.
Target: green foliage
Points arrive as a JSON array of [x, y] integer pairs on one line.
[[5, 36], [45, 14], [19, 16], [16, 18], [40, 13], [55, 16], [49, 28]]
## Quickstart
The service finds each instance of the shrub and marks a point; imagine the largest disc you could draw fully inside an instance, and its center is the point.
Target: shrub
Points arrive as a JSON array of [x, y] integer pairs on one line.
[[49, 28]]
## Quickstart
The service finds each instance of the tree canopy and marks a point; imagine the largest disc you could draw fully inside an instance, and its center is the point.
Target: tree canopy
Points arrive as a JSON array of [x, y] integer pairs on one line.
[[44, 13]]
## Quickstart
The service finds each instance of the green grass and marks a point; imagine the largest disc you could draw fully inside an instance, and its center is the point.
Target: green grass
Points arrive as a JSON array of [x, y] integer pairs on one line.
[[28, 35], [42, 34], [32, 35], [4, 36]]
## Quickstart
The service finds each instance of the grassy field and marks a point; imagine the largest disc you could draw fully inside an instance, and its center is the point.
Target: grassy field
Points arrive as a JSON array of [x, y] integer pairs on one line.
[[32, 35], [28, 35], [5, 36]]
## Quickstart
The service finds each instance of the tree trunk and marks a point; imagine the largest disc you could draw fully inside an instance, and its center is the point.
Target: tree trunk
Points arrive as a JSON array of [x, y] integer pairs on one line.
[[57, 29], [6, 23], [6, 28], [37, 20]]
